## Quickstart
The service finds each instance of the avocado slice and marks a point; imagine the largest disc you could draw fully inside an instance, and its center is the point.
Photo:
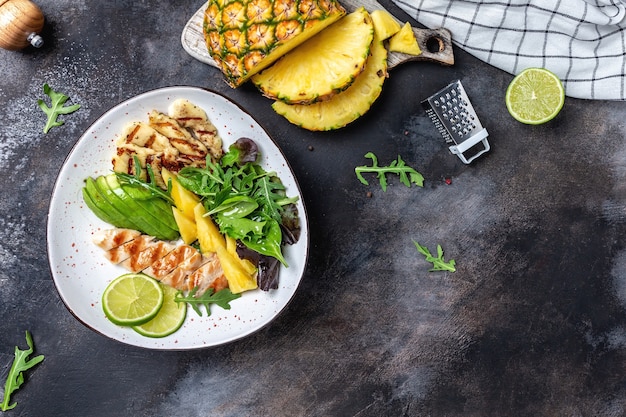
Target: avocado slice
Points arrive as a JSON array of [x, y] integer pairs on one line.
[[102, 208], [158, 207], [131, 208], [96, 209]]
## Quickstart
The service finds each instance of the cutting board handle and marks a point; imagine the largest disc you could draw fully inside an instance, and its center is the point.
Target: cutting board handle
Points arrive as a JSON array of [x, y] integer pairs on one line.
[[436, 46]]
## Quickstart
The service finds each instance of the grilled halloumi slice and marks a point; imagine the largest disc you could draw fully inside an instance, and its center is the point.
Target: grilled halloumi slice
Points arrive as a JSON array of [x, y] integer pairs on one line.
[[192, 117], [185, 137], [178, 136]]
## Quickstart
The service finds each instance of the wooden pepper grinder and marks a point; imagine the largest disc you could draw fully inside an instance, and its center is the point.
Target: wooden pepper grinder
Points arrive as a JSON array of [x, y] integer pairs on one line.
[[21, 21]]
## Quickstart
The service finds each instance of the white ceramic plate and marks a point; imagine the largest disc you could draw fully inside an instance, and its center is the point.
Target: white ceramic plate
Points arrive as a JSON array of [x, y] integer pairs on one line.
[[79, 268]]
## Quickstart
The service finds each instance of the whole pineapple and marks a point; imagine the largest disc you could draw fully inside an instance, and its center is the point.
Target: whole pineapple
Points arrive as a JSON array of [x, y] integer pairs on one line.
[[246, 36]]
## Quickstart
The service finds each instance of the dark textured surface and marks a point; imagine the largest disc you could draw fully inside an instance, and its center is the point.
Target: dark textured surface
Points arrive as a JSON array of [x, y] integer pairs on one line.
[[532, 323]]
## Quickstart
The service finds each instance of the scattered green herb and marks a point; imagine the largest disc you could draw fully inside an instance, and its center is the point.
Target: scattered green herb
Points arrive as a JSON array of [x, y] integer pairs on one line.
[[57, 108], [222, 298], [407, 174], [439, 264], [16, 377]]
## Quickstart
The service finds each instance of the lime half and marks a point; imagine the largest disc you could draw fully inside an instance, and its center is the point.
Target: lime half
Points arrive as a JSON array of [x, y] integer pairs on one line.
[[535, 96], [169, 319], [132, 299]]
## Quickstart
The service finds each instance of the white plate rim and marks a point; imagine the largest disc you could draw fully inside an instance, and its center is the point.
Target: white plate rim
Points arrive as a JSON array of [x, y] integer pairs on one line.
[[65, 257]]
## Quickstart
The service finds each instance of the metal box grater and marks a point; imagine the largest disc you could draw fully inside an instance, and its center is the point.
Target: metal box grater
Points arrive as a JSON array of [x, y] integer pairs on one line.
[[455, 118]]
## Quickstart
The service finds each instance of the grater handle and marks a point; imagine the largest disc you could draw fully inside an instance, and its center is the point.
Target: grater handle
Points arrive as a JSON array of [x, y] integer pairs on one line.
[[480, 136]]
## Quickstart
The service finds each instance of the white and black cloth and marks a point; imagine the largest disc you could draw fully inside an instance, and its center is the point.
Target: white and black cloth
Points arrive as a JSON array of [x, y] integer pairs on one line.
[[581, 41]]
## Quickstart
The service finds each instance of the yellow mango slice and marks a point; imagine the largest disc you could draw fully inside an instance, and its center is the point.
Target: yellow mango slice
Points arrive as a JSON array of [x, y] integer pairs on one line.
[[184, 199], [186, 226], [209, 236], [238, 279], [404, 41], [385, 25]]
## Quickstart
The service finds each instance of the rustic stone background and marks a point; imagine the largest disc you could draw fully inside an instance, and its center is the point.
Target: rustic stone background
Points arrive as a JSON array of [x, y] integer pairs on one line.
[[532, 323]]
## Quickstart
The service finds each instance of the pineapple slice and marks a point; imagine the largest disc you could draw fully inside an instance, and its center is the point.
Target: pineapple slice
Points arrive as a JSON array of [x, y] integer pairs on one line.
[[246, 36], [186, 226], [323, 66], [347, 106], [239, 280], [385, 25], [246, 265], [405, 41], [184, 199], [209, 236]]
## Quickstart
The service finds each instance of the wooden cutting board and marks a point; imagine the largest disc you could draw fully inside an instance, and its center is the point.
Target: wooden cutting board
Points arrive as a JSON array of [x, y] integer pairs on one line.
[[436, 44]]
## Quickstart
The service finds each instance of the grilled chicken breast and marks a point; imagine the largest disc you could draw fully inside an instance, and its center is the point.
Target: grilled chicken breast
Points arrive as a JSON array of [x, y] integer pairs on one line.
[[178, 265]]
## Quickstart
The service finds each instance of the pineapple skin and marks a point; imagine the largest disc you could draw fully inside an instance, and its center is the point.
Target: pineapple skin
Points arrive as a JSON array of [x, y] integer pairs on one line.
[[246, 36], [347, 106]]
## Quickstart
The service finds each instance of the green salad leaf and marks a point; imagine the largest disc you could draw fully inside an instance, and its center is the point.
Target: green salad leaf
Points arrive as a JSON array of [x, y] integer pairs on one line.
[[407, 174], [57, 107], [439, 264], [15, 378], [246, 202]]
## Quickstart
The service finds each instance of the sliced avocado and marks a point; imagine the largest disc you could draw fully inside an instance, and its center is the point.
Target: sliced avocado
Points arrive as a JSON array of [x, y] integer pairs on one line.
[[137, 212], [103, 208], [159, 208], [101, 214]]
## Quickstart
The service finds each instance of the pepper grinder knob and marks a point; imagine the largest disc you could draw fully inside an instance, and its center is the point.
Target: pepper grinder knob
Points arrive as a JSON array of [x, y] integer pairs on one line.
[[21, 21]]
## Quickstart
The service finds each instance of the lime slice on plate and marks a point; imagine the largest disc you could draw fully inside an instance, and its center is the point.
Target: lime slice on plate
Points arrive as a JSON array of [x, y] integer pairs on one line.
[[132, 299], [169, 319], [535, 96]]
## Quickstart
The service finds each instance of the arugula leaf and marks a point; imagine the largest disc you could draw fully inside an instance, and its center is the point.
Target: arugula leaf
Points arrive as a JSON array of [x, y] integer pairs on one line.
[[150, 185], [407, 174], [246, 202], [16, 377], [222, 298], [439, 264], [57, 108]]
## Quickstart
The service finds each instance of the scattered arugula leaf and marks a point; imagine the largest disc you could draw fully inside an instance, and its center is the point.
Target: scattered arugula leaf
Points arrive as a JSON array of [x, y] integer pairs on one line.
[[407, 174], [222, 298], [57, 107], [439, 264], [16, 377]]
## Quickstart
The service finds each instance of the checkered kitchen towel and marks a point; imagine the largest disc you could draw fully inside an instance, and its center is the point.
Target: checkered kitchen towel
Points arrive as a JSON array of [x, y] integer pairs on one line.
[[582, 41]]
